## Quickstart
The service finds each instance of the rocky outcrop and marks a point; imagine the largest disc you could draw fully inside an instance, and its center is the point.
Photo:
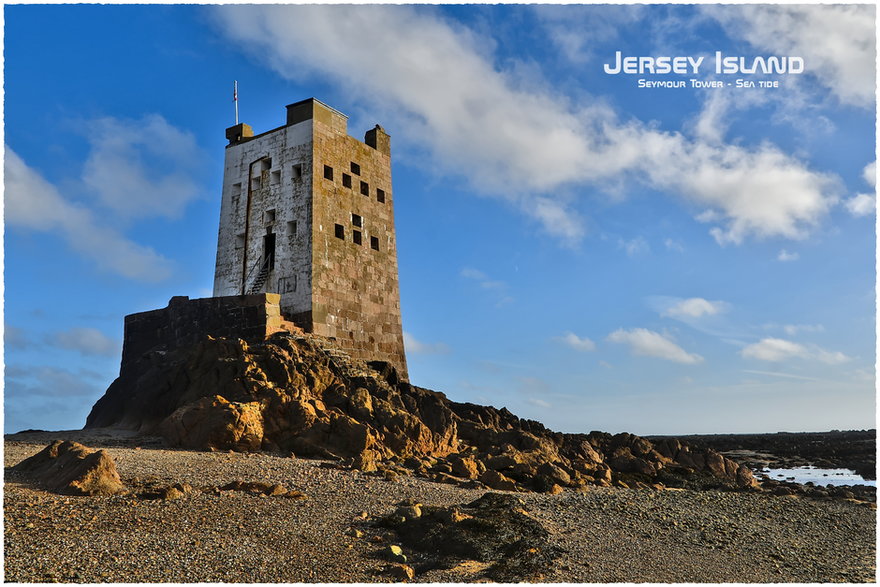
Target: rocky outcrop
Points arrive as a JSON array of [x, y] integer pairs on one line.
[[285, 394], [297, 393], [845, 449], [73, 469]]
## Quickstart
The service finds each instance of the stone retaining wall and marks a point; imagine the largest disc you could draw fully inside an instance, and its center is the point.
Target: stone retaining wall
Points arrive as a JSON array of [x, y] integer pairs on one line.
[[186, 321]]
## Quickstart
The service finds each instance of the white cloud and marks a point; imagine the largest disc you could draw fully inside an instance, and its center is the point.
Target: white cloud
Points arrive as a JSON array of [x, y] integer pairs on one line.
[[575, 30], [861, 204], [653, 344], [88, 341], [870, 173], [413, 345], [777, 349], [785, 256], [694, 308], [481, 278], [673, 245], [864, 204], [523, 143], [578, 343], [793, 329], [635, 246], [837, 42], [141, 168], [35, 204], [777, 374]]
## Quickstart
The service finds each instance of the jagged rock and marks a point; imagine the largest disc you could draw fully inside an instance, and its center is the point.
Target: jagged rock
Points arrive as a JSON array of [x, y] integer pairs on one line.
[[73, 469], [401, 572], [409, 512], [298, 393], [215, 423], [395, 553], [554, 474], [492, 529], [495, 480], [166, 492], [466, 467], [261, 488], [285, 393]]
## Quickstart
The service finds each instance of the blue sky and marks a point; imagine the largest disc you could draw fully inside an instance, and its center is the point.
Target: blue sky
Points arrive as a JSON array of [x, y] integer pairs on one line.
[[585, 252]]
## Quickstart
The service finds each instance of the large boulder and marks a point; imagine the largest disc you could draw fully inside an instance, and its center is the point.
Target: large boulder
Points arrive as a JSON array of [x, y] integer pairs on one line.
[[215, 423], [72, 469]]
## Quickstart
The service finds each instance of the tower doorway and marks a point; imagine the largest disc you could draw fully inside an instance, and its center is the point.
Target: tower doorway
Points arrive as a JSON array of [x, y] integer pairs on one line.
[[269, 250]]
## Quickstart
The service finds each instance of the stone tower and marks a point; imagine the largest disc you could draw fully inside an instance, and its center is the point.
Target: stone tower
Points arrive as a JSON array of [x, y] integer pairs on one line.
[[308, 213]]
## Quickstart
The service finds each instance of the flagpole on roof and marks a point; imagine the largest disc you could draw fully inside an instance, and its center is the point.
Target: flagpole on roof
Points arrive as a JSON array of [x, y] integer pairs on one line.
[[235, 98]]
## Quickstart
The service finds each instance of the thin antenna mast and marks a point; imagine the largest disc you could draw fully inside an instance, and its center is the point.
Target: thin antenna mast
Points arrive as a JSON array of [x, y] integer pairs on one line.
[[235, 99]]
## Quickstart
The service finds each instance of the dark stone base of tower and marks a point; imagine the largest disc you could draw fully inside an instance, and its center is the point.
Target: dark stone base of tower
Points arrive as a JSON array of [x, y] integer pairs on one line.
[[252, 318]]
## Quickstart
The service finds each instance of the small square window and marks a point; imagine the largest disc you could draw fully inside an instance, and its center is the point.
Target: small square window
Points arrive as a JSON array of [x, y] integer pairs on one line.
[[297, 171], [356, 236], [236, 189], [357, 220], [328, 172], [291, 228], [239, 240], [269, 216], [265, 164], [346, 180], [374, 243], [380, 196], [365, 188], [355, 168], [256, 183], [340, 231], [275, 177]]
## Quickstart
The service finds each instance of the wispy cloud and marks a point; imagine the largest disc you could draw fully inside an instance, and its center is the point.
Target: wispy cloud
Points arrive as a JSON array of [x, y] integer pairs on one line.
[[424, 348], [776, 350], [15, 338], [481, 278], [485, 282], [864, 204], [673, 245], [693, 308], [50, 381], [578, 343], [785, 256], [777, 374], [635, 246], [653, 344], [141, 168], [838, 41], [445, 90], [32, 203], [793, 329], [87, 341], [576, 30]]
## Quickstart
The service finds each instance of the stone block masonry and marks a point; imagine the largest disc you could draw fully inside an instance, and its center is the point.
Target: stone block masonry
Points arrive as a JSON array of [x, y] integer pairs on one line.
[[185, 321], [308, 213]]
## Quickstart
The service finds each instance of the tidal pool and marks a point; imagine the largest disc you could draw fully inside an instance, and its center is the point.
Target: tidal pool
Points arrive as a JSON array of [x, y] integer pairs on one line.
[[817, 476]]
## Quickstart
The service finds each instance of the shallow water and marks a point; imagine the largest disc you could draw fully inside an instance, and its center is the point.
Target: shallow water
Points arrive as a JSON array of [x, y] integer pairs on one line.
[[817, 476]]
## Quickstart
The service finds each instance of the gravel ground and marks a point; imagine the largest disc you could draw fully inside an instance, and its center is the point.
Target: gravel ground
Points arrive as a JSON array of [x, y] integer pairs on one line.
[[608, 535]]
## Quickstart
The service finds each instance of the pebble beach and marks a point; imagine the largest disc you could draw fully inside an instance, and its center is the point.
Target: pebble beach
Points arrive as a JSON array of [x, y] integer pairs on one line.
[[604, 534]]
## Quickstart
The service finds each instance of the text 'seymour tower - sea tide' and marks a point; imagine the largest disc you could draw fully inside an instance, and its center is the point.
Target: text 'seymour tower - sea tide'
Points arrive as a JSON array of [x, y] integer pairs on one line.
[[307, 212]]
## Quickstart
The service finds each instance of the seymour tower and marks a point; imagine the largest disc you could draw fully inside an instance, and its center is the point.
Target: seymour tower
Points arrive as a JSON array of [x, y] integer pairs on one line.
[[307, 212]]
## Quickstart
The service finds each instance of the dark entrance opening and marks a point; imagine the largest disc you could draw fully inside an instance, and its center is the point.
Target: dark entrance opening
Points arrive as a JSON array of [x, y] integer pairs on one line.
[[269, 250]]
